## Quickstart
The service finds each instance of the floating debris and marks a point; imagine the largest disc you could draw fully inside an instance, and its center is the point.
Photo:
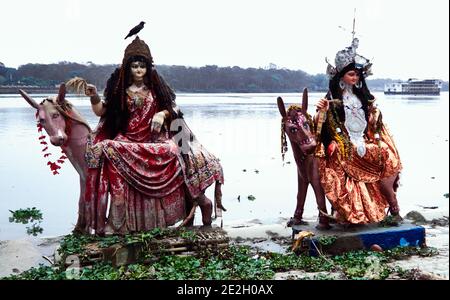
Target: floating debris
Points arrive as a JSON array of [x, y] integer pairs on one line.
[[256, 171], [429, 207]]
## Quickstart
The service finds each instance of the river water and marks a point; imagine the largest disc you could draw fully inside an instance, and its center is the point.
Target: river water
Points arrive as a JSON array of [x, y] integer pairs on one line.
[[243, 130]]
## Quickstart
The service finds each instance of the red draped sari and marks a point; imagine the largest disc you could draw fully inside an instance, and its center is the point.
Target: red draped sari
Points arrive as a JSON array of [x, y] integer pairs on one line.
[[142, 170]]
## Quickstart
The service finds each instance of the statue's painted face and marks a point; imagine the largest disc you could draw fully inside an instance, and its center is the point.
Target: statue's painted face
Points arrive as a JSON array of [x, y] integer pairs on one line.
[[138, 70], [351, 77]]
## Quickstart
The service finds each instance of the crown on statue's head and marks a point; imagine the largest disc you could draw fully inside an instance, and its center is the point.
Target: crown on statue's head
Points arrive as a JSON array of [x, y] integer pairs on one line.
[[137, 48], [349, 56]]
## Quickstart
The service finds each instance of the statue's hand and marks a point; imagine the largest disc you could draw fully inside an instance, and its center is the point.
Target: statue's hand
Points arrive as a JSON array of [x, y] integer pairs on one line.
[[374, 115], [97, 150], [157, 121], [323, 105], [331, 148], [90, 90]]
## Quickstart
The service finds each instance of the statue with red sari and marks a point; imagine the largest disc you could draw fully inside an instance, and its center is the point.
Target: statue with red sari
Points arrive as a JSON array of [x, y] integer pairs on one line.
[[145, 165]]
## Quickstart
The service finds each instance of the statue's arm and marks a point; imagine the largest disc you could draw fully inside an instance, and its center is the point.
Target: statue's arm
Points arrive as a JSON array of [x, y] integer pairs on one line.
[[98, 106]]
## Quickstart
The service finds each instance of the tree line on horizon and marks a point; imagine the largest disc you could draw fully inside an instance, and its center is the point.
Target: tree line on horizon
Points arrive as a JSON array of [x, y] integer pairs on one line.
[[207, 79]]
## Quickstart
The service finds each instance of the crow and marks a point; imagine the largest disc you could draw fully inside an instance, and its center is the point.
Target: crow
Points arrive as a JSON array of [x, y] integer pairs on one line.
[[135, 29]]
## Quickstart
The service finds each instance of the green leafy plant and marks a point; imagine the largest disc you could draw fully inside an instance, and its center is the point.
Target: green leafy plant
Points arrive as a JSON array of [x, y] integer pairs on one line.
[[389, 221], [234, 262], [188, 235], [327, 240], [26, 216]]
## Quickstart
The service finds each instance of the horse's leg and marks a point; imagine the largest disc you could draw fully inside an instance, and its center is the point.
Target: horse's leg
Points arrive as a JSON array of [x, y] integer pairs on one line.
[[301, 196], [117, 218], [320, 195], [81, 226], [388, 187], [206, 208], [189, 206], [321, 205]]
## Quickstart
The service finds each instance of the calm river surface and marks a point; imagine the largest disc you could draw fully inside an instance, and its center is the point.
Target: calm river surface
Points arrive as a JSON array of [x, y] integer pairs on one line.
[[243, 130]]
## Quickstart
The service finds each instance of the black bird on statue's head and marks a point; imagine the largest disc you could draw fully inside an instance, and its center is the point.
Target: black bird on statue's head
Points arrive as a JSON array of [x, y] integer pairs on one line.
[[135, 29]]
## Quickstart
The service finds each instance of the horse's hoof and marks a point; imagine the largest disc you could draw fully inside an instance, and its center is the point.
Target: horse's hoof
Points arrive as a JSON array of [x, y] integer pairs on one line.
[[189, 224], [206, 227], [295, 221], [323, 226]]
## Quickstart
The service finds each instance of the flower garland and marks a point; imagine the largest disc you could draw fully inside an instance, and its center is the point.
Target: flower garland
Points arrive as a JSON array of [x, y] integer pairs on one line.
[[344, 144], [54, 166]]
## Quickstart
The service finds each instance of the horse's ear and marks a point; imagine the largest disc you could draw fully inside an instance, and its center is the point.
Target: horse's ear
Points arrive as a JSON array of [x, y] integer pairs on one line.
[[281, 107], [29, 99], [61, 93], [305, 100]]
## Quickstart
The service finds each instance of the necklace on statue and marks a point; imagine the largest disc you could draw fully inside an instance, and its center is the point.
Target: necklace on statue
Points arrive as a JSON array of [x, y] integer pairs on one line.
[[137, 95], [137, 101]]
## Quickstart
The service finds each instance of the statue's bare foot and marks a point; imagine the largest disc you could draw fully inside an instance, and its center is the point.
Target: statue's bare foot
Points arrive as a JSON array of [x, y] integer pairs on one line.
[[108, 230]]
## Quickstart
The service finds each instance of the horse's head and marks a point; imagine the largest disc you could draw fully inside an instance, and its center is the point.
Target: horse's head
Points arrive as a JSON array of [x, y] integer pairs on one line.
[[51, 115], [298, 124]]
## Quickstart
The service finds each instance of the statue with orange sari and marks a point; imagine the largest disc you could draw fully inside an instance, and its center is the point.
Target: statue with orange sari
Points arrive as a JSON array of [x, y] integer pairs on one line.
[[359, 164]]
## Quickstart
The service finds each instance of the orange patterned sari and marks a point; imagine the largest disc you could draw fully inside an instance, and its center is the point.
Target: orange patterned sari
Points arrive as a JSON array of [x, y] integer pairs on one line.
[[352, 184]]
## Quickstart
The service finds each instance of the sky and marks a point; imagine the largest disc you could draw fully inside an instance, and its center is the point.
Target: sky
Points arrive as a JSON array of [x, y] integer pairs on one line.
[[403, 38]]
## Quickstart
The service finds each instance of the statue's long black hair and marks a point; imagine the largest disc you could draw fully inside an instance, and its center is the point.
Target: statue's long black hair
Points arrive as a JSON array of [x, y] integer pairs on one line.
[[117, 114], [337, 110]]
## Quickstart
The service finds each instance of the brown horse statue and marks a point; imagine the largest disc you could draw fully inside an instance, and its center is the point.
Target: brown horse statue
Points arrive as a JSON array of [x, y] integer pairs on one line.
[[298, 125], [69, 130]]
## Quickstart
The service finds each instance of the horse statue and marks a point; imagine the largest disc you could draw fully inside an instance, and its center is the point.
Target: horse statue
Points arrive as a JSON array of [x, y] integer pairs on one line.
[[68, 129], [298, 125]]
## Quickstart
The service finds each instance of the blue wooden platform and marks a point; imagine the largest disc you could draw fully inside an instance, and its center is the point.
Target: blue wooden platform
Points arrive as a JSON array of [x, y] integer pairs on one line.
[[360, 237]]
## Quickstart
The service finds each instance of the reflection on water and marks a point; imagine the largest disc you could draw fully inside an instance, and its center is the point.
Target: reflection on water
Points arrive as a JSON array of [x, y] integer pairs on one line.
[[243, 130]]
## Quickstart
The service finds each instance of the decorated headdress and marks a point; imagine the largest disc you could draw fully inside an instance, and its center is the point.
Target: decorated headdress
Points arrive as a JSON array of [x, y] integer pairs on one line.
[[349, 56], [137, 48]]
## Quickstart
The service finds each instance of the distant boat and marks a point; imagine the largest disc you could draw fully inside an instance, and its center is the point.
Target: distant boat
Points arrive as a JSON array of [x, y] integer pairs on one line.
[[414, 87]]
